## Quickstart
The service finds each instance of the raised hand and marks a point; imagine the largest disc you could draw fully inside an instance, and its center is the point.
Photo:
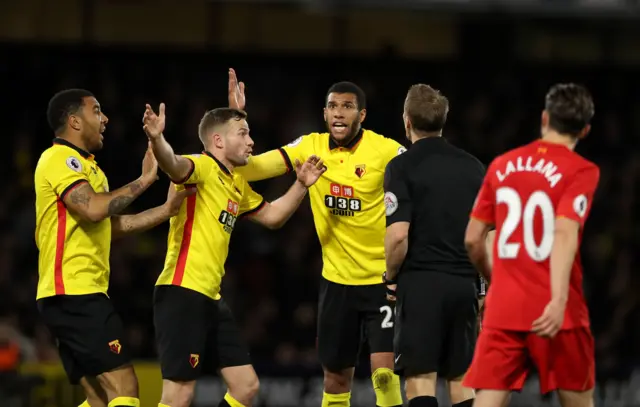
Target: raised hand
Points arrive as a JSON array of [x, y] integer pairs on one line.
[[149, 165], [237, 99], [175, 198], [310, 171], [153, 124]]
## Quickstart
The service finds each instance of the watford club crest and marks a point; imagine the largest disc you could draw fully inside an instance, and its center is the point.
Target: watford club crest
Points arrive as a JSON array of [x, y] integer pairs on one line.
[[115, 347], [194, 360], [360, 170]]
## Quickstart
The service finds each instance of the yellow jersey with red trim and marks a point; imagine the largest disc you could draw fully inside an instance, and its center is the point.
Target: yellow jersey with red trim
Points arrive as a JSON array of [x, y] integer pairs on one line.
[[73, 254], [347, 201], [199, 235]]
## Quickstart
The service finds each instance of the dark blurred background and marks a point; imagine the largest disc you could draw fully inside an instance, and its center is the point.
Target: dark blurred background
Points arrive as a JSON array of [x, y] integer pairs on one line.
[[494, 60]]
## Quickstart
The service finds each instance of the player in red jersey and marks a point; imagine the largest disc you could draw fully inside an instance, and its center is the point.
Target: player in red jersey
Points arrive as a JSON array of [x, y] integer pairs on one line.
[[538, 197]]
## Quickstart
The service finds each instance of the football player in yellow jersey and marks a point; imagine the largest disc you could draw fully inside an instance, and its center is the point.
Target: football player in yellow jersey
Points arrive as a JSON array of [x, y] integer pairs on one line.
[[349, 215], [188, 310], [76, 218]]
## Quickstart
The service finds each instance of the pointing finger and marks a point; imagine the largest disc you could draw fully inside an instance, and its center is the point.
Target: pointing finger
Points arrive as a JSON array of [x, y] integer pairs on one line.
[[162, 108]]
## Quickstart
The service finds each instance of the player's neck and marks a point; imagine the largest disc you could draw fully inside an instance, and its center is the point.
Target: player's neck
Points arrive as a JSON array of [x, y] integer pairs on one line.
[[74, 139], [420, 135], [219, 155], [346, 142], [557, 138]]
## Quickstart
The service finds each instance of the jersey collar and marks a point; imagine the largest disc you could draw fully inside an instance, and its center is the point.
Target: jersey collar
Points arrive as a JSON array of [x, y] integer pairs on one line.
[[350, 145], [222, 166], [80, 151]]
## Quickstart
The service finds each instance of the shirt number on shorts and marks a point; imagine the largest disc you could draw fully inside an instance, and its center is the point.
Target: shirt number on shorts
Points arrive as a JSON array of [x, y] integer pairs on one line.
[[516, 215], [387, 321]]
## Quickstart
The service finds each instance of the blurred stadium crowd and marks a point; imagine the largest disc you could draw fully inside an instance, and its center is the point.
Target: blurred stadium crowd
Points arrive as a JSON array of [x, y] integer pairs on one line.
[[272, 276]]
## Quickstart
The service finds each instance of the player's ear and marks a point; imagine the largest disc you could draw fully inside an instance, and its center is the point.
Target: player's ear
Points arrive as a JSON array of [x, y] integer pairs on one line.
[[584, 132], [218, 140], [363, 114], [544, 120], [407, 122], [74, 122], [324, 113]]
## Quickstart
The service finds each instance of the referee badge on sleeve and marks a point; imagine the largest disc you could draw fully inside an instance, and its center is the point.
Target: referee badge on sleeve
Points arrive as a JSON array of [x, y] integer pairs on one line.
[[390, 203], [401, 150]]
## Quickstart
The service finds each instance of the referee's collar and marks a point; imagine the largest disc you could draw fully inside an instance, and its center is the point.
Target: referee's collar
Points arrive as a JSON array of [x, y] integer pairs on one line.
[[222, 166], [433, 139], [63, 142], [349, 145]]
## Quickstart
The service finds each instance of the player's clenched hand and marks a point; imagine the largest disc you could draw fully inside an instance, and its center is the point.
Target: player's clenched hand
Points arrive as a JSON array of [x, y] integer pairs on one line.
[[149, 166], [175, 198], [309, 172], [153, 124], [391, 292], [236, 91], [550, 321]]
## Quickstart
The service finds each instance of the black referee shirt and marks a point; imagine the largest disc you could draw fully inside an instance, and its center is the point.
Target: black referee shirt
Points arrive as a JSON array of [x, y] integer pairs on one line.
[[433, 186]]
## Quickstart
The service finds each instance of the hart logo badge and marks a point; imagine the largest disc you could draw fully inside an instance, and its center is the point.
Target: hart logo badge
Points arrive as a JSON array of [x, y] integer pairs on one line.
[[115, 347], [194, 360], [360, 170]]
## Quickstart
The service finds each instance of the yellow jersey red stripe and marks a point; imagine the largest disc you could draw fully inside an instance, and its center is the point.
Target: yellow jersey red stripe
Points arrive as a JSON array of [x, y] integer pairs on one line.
[[186, 239], [61, 237], [198, 241], [73, 255]]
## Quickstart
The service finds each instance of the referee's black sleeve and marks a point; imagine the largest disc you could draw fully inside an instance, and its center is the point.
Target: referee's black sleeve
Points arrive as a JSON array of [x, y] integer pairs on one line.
[[397, 201]]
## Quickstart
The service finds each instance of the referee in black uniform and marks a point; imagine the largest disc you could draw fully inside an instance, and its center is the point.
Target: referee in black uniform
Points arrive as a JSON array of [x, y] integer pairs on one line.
[[429, 193]]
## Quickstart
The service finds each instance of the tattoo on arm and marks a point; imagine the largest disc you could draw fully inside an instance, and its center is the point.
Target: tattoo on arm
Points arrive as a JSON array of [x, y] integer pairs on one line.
[[80, 196], [118, 204], [127, 224]]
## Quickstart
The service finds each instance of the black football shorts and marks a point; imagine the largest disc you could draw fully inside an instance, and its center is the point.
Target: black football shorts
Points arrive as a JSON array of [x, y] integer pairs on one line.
[[349, 315], [436, 324], [193, 331], [89, 333]]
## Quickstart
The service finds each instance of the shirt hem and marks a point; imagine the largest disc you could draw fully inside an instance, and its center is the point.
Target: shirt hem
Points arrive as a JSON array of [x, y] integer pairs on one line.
[[99, 291], [354, 282], [214, 297]]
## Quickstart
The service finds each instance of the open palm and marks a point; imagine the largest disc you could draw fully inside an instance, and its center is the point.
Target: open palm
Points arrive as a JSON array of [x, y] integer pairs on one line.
[[310, 171], [237, 100], [154, 123]]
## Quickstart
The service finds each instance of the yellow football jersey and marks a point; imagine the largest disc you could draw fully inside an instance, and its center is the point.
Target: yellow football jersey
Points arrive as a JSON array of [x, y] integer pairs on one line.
[[347, 201], [73, 255], [198, 241]]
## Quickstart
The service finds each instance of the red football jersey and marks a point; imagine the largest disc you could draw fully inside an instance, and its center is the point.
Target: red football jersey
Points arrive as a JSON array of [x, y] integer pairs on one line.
[[524, 191]]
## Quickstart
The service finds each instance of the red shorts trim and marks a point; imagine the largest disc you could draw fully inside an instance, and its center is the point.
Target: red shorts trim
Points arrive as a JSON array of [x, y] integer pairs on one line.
[[503, 359]]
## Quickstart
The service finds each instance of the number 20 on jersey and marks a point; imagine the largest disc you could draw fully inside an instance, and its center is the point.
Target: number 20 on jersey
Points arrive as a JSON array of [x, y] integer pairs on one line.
[[522, 213], [342, 201]]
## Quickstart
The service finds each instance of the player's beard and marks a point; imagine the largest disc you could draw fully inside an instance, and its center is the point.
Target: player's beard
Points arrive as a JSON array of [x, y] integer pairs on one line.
[[354, 128], [239, 160], [93, 140]]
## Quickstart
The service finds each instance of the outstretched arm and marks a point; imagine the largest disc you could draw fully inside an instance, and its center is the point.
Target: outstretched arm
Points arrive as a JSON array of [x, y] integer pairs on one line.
[[274, 215], [129, 224], [178, 168], [91, 206], [266, 165]]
